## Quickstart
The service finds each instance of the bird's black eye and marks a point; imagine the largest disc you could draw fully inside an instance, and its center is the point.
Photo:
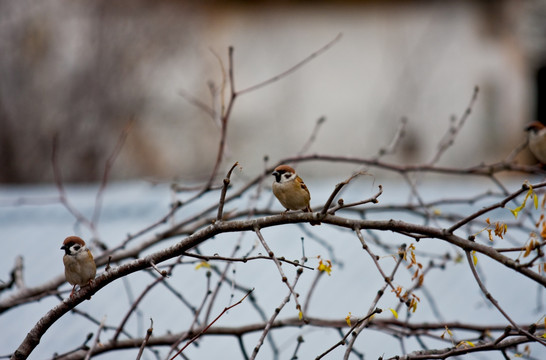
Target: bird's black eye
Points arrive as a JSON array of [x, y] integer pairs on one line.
[[287, 176]]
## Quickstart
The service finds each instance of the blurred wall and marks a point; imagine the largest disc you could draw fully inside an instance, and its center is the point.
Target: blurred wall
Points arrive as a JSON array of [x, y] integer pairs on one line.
[[82, 69]]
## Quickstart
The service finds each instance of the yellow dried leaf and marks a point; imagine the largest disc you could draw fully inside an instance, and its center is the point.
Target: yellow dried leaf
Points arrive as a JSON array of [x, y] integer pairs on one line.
[[465, 343], [394, 313], [300, 315], [202, 264], [535, 199], [348, 319], [415, 274], [449, 333], [500, 229], [413, 305], [516, 211], [529, 192], [325, 266], [474, 257]]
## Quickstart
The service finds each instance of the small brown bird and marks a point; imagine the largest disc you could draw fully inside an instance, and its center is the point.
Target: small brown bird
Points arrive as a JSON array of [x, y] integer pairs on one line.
[[79, 265], [537, 140], [291, 191]]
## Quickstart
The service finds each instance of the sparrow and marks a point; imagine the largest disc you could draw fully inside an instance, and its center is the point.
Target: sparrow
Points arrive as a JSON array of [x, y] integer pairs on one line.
[[291, 191], [536, 132], [79, 265]]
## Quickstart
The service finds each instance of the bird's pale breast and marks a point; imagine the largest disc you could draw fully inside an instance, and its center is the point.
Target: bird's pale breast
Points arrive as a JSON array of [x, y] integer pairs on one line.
[[291, 195], [79, 269]]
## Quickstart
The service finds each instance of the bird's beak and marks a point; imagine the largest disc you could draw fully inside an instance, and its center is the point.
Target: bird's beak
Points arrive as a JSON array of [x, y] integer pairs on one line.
[[275, 173]]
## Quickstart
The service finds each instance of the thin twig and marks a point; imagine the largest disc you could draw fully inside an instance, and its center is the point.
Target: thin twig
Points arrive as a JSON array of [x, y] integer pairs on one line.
[[222, 88], [313, 135], [293, 68], [134, 305], [197, 312], [93, 320], [224, 122], [146, 339], [97, 339], [510, 158], [337, 189], [209, 325], [342, 205], [393, 146], [197, 103], [312, 288], [388, 282], [388, 279], [174, 208], [216, 291], [493, 301], [454, 129], [500, 204], [277, 311], [57, 175], [283, 276], [343, 340], [17, 273], [107, 168], [163, 273], [223, 193], [244, 259]]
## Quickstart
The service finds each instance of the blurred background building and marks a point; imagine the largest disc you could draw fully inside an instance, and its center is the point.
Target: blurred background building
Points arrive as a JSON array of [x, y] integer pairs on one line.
[[82, 69]]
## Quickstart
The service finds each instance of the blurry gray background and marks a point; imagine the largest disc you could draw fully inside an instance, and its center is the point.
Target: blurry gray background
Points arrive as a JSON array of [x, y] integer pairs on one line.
[[83, 69]]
